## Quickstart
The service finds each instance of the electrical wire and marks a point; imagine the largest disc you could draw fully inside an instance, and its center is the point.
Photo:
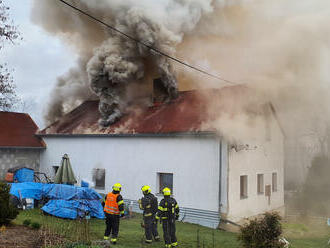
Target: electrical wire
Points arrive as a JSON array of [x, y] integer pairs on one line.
[[146, 45]]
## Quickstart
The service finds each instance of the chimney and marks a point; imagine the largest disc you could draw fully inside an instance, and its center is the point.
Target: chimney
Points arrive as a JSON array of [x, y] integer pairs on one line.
[[159, 93]]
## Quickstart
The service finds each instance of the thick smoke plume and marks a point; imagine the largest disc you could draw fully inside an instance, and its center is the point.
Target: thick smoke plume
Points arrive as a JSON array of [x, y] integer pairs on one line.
[[114, 62], [279, 48]]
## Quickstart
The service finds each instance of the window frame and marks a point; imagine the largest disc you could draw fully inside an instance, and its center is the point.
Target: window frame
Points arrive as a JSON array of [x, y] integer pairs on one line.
[[95, 178], [274, 185], [260, 184], [244, 188], [160, 180]]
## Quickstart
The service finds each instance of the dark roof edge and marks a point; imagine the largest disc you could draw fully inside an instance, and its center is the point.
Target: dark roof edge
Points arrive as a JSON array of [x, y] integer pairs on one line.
[[23, 147], [175, 134]]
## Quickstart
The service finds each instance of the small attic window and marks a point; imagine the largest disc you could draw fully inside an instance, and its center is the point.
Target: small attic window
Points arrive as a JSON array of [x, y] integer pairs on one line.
[[99, 178]]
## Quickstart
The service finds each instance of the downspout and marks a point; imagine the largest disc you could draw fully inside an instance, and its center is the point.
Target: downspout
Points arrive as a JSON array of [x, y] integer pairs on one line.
[[220, 175]]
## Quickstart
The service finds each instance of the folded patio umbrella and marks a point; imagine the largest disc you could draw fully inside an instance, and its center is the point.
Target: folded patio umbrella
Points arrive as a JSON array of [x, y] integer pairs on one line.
[[65, 173]]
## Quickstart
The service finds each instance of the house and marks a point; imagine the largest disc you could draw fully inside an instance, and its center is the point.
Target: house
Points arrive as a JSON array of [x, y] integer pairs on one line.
[[170, 145], [19, 146]]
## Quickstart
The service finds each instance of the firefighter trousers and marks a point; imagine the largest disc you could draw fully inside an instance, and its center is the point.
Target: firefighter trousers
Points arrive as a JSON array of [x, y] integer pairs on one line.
[[150, 228], [112, 225], [169, 232]]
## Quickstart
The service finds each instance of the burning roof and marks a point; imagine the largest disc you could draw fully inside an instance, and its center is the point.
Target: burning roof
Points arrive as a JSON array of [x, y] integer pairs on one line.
[[18, 130], [187, 113]]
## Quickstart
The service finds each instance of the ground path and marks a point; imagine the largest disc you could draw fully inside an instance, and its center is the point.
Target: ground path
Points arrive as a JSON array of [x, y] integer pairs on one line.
[[19, 237]]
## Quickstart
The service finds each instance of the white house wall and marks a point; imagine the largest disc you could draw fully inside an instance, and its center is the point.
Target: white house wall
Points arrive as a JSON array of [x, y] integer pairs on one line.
[[266, 158], [135, 161]]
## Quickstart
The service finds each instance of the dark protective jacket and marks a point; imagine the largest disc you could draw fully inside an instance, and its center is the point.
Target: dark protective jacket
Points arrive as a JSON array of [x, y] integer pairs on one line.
[[149, 205], [168, 209], [119, 203]]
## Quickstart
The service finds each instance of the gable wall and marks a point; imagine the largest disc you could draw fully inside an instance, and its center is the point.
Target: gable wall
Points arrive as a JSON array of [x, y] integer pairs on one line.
[[266, 158]]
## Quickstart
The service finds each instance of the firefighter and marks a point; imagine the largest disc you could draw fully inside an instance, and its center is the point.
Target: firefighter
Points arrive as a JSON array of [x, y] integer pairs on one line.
[[149, 205], [168, 212], [113, 209]]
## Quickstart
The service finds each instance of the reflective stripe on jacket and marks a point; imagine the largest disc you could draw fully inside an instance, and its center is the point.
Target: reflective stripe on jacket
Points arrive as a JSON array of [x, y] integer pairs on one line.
[[111, 205], [149, 205], [168, 208]]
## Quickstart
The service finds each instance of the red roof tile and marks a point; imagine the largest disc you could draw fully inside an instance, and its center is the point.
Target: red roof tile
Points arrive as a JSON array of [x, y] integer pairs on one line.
[[187, 113], [18, 130]]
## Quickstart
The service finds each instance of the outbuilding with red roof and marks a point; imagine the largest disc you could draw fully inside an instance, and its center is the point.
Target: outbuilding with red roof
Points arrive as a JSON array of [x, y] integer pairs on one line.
[[19, 145]]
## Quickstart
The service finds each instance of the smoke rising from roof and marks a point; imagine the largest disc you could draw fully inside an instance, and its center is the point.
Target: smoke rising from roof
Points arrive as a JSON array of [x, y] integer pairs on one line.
[[114, 61], [281, 48], [278, 47]]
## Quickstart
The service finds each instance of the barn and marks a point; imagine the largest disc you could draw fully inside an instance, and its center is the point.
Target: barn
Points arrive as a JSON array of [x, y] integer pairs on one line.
[[168, 144]]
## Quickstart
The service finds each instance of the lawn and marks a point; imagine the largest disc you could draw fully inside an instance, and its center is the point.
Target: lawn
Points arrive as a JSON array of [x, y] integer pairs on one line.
[[313, 235]]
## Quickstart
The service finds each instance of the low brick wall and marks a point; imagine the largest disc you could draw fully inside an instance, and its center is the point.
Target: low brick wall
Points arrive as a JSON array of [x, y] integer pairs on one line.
[[11, 157]]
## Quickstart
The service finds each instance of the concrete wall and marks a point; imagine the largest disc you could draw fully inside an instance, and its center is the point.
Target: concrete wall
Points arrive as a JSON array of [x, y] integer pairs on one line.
[[265, 158], [135, 161], [11, 157]]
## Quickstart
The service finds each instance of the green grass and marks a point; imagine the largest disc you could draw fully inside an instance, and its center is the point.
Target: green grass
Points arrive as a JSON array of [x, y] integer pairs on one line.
[[299, 234], [131, 233], [307, 233]]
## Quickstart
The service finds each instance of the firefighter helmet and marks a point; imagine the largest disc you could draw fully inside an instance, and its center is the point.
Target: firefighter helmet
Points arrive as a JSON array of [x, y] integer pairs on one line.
[[116, 187], [146, 189], [166, 191]]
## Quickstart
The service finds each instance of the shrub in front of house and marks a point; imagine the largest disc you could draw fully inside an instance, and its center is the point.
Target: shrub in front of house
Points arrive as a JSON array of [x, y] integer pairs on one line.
[[26, 222], [261, 233], [35, 225], [8, 211]]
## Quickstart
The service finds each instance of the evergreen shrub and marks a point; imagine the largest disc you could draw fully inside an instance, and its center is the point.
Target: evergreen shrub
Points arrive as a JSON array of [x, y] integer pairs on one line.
[[35, 225], [8, 211], [262, 233], [27, 222]]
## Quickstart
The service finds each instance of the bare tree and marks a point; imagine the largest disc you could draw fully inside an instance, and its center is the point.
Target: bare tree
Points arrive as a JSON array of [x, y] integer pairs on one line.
[[8, 34]]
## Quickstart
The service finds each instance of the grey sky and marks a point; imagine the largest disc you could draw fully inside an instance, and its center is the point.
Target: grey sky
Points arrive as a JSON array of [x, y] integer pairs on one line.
[[37, 60]]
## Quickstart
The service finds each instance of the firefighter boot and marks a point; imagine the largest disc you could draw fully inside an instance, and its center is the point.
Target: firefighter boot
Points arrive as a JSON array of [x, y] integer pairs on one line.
[[113, 241]]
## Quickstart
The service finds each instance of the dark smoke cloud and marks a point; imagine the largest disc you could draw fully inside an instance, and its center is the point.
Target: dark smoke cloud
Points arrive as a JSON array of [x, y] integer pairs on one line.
[[114, 61]]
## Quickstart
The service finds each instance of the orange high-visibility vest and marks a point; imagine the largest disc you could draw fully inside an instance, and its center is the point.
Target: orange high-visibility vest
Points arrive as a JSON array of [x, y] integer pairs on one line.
[[111, 205]]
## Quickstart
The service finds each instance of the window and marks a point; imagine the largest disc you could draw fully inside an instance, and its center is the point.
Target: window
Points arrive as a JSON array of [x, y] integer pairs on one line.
[[274, 182], [244, 187], [55, 169], [99, 178], [165, 180], [260, 183]]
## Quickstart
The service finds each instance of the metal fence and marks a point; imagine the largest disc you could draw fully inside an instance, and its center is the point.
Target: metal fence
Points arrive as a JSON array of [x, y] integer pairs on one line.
[[196, 216]]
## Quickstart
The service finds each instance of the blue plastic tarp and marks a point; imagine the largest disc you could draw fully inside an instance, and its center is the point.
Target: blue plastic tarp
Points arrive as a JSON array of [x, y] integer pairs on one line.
[[66, 201], [24, 175], [72, 209], [27, 190], [84, 184]]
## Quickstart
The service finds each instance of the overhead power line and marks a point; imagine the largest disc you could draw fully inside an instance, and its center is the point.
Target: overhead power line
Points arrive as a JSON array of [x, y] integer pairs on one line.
[[146, 45]]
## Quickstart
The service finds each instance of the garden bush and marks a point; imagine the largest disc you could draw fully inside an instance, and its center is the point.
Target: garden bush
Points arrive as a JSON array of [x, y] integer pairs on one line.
[[8, 211], [35, 225], [27, 222], [262, 233]]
